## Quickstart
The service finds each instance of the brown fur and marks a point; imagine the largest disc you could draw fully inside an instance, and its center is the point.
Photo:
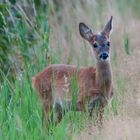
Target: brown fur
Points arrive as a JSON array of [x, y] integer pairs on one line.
[[51, 82]]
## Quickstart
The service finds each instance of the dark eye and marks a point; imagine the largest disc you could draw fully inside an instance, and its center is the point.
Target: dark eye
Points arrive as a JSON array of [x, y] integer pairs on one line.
[[95, 45], [108, 43]]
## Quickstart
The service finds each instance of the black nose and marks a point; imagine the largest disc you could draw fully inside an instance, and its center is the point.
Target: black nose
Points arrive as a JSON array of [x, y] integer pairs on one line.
[[104, 56]]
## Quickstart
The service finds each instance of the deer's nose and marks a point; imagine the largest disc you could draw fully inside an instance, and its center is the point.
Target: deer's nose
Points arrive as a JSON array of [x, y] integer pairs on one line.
[[104, 55]]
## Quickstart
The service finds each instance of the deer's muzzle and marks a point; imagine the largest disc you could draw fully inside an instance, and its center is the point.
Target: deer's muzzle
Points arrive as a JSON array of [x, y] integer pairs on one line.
[[104, 55]]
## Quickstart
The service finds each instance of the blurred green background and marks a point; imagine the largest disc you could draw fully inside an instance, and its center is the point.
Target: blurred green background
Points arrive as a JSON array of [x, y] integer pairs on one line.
[[36, 33]]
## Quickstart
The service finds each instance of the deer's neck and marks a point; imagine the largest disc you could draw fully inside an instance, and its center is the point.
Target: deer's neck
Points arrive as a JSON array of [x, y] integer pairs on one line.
[[104, 76]]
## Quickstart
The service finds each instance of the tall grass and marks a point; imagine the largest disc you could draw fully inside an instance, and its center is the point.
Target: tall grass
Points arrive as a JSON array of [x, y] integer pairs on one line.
[[25, 46], [25, 51]]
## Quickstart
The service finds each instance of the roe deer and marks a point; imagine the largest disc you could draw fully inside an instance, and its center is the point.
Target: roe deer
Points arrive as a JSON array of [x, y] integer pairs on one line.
[[94, 83]]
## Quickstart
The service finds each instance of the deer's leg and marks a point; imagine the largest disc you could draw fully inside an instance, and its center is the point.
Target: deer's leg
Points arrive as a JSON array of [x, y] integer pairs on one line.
[[93, 106], [59, 112], [80, 102], [102, 103], [80, 106], [47, 104], [47, 114], [101, 116], [56, 114], [96, 107]]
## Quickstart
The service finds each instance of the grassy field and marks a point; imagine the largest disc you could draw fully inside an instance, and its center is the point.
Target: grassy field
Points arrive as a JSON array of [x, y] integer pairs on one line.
[[36, 34]]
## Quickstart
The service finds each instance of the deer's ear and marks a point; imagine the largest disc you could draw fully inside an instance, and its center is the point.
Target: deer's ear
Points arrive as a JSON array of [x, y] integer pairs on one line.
[[108, 27], [85, 32]]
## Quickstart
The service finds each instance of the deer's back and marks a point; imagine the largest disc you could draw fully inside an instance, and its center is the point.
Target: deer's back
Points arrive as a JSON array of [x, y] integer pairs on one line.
[[57, 80]]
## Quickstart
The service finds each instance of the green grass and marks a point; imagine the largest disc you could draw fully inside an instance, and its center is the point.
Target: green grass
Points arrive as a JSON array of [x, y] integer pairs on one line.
[[21, 115], [21, 112], [127, 44]]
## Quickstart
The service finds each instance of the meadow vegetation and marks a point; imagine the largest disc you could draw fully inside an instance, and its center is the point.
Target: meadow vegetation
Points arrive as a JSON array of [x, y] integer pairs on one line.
[[34, 34]]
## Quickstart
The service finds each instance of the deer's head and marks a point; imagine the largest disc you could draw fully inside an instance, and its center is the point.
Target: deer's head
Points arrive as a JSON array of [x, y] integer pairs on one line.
[[100, 42]]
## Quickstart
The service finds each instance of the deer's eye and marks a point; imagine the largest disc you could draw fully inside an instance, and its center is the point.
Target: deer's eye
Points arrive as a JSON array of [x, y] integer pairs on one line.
[[108, 43], [95, 45]]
